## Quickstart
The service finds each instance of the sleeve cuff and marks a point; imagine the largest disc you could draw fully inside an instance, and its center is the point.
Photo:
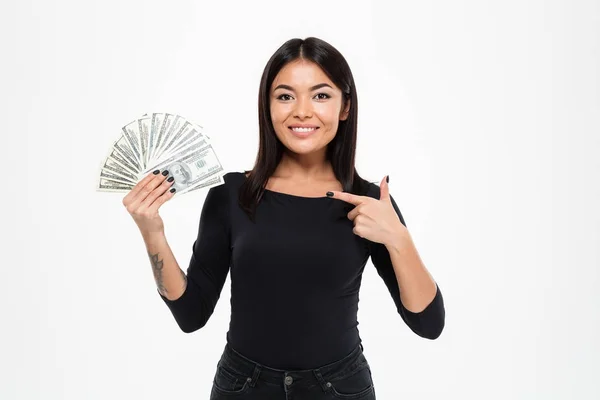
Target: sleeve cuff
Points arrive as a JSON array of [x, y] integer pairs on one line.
[[429, 322]]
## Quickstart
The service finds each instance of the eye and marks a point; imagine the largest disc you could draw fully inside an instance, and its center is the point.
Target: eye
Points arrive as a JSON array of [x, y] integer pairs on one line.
[[283, 95], [324, 94]]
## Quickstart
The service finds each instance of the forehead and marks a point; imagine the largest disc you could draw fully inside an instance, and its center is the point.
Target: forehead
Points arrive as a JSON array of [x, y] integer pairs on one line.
[[301, 74]]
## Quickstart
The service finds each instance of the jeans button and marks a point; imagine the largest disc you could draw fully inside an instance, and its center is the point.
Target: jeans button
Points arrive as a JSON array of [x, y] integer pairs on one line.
[[288, 380]]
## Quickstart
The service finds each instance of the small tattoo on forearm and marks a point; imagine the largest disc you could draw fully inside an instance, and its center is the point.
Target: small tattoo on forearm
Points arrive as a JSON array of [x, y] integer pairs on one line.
[[157, 267]]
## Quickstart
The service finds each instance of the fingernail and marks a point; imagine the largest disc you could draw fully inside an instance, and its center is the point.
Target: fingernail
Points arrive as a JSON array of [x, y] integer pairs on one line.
[[387, 179], [171, 179], [156, 172], [165, 172], [172, 190], [329, 194]]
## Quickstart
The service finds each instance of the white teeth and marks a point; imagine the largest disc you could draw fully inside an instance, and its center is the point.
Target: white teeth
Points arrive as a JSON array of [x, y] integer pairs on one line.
[[303, 129]]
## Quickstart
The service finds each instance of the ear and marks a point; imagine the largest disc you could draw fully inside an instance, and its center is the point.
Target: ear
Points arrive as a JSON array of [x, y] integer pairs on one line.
[[344, 113]]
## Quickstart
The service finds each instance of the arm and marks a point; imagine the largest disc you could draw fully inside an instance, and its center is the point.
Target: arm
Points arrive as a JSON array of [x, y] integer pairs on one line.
[[417, 297], [170, 279], [192, 299]]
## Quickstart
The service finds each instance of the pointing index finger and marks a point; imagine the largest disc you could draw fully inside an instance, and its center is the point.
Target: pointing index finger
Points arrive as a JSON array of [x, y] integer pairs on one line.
[[347, 197]]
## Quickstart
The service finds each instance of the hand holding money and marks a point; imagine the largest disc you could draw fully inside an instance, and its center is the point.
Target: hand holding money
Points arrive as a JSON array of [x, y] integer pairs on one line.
[[161, 141], [146, 197]]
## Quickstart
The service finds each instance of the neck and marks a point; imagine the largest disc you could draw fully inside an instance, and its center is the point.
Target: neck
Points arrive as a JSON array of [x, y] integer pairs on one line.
[[304, 167]]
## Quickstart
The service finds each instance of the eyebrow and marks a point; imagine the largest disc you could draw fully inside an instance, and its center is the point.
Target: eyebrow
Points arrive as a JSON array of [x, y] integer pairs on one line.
[[319, 86]]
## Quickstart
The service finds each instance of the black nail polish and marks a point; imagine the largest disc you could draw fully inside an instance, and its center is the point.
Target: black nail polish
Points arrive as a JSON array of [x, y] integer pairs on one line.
[[171, 179], [156, 172], [387, 179], [329, 194], [165, 172], [172, 190]]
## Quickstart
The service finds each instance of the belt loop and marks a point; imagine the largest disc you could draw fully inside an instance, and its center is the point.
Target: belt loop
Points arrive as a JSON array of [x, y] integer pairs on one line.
[[320, 379], [255, 374]]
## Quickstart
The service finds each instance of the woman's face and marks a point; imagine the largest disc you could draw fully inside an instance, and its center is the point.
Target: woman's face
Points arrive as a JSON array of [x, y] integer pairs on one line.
[[306, 107]]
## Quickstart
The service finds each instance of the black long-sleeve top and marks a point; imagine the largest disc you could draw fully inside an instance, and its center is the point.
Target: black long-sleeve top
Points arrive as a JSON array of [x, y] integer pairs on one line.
[[295, 277]]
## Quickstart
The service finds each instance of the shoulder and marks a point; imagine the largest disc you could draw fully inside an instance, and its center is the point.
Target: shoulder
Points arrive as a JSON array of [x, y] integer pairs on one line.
[[231, 182], [373, 190], [220, 198], [234, 178]]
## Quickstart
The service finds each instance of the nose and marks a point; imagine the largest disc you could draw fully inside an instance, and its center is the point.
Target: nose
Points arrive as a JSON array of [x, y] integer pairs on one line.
[[303, 108]]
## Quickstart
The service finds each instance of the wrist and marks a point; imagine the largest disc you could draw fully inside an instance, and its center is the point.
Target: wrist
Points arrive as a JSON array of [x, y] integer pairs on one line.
[[399, 240], [153, 237]]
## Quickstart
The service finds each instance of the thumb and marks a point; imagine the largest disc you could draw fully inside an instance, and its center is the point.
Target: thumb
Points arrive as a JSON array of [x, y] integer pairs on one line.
[[385, 189]]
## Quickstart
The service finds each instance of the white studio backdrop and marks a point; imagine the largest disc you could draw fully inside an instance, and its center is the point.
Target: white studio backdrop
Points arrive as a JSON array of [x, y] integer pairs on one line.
[[486, 116]]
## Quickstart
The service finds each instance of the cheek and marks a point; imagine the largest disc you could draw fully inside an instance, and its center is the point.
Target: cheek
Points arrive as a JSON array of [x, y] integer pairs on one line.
[[328, 114], [278, 114]]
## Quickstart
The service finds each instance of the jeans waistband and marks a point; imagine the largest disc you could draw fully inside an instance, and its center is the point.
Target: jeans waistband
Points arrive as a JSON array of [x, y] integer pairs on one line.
[[253, 369]]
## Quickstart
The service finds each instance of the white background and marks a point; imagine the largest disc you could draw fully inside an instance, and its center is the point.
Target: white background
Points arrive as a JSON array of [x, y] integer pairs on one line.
[[485, 115]]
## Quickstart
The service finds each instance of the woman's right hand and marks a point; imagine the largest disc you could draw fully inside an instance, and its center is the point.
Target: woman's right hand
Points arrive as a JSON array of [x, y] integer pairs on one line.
[[146, 197]]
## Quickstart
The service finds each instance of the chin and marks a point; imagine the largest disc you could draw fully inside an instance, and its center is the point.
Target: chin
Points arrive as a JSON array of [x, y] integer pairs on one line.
[[304, 150]]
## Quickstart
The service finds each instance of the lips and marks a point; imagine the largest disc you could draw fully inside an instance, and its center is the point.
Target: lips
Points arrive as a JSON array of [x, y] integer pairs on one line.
[[303, 126], [303, 131]]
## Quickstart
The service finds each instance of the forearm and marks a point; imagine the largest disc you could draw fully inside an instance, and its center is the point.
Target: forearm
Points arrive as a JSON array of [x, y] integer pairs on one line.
[[417, 287], [170, 279]]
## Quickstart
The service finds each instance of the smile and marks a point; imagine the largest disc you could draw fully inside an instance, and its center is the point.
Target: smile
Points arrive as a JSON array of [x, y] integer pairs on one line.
[[302, 132]]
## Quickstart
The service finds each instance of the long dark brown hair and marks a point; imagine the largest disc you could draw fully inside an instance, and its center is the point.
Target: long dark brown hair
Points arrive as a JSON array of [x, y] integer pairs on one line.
[[340, 151]]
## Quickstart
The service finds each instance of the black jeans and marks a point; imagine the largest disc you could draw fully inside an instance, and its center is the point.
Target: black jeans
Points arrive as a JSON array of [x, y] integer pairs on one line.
[[238, 377]]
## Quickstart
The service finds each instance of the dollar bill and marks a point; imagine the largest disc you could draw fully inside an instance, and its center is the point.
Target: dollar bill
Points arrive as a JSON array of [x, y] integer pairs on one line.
[[189, 136], [106, 185], [116, 162], [162, 132], [156, 122], [115, 177], [175, 125], [188, 139], [192, 165], [178, 155], [114, 166], [122, 147], [206, 184], [131, 135], [176, 137], [143, 130]]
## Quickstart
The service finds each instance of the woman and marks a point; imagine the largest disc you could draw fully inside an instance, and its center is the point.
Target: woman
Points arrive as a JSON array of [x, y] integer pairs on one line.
[[296, 232]]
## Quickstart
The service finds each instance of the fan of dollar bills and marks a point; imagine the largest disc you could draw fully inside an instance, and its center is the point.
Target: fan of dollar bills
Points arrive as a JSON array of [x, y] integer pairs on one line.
[[161, 141]]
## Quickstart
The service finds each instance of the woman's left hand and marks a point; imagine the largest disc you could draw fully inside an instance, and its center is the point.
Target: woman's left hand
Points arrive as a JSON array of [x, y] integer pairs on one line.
[[374, 220]]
